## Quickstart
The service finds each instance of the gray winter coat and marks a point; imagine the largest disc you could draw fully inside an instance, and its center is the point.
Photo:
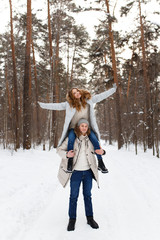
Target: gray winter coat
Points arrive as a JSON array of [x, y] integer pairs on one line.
[[70, 111], [63, 176]]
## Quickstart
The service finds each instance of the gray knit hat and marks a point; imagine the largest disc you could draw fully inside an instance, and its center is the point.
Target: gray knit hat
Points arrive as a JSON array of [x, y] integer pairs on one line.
[[83, 120]]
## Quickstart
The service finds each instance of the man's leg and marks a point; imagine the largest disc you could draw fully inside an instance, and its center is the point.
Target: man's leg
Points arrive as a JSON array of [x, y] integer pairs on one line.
[[87, 187], [75, 182]]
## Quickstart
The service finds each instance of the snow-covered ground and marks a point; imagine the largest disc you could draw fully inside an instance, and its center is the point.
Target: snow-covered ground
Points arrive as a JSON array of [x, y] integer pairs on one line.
[[34, 206]]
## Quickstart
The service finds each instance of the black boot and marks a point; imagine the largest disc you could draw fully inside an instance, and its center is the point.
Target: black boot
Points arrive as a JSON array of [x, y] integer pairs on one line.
[[70, 165], [71, 224], [101, 166], [92, 223]]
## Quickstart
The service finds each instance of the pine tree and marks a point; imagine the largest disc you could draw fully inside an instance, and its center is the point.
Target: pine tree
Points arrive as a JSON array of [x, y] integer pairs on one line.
[[27, 83], [15, 93]]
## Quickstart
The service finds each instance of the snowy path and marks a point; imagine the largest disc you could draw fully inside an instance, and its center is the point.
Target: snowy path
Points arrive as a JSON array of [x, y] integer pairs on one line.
[[33, 205]]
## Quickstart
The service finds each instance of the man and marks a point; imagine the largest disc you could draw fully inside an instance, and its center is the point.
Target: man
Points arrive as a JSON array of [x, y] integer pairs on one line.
[[84, 170]]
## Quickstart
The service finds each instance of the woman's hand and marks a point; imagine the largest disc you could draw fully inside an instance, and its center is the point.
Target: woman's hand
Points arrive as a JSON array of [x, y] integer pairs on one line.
[[99, 151], [70, 154]]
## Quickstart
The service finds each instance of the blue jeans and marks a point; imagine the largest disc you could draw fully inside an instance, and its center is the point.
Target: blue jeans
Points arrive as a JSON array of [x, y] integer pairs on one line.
[[86, 178], [92, 138]]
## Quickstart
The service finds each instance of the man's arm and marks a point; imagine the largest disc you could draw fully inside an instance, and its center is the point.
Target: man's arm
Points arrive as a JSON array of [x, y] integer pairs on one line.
[[104, 95], [62, 150]]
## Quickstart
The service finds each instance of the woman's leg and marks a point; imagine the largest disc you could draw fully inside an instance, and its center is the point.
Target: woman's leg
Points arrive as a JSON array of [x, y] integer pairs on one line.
[[71, 140], [95, 142]]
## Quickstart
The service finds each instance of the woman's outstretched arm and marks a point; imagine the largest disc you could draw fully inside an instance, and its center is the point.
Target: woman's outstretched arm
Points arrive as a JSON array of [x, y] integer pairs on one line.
[[101, 96], [53, 106]]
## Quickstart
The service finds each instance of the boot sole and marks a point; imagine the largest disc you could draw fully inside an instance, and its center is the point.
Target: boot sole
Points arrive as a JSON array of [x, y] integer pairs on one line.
[[69, 171], [93, 227], [102, 170]]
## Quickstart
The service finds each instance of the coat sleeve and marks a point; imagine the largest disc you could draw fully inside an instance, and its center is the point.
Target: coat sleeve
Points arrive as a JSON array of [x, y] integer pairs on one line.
[[104, 95], [53, 106], [62, 149]]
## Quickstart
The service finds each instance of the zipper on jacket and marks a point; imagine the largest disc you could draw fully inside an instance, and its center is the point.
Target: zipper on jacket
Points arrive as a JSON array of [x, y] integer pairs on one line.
[[78, 152]]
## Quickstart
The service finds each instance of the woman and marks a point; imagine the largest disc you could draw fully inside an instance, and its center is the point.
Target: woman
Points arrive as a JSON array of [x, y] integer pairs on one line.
[[84, 170], [79, 104]]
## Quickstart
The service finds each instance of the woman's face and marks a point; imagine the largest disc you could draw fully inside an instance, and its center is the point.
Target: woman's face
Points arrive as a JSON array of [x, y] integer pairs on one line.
[[76, 93]]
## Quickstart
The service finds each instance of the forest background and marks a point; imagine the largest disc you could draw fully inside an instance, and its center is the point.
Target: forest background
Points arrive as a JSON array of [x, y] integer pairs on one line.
[[45, 52]]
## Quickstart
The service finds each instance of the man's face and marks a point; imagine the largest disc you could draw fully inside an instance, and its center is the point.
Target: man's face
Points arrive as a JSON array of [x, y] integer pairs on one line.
[[76, 93], [83, 128]]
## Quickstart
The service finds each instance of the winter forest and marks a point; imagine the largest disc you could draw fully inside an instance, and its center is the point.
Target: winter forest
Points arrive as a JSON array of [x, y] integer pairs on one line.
[[42, 58], [46, 48]]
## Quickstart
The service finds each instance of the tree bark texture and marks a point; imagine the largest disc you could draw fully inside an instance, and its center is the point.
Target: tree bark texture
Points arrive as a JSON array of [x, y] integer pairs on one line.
[[56, 81], [147, 84], [27, 84], [38, 139], [119, 126], [15, 92]]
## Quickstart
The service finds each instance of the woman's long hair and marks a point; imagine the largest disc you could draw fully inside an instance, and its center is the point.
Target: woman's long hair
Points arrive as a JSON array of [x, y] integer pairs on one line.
[[74, 102]]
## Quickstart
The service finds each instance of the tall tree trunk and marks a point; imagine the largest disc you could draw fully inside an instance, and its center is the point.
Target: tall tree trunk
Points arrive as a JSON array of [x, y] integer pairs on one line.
[[107, 111], [15, 92], [144, 129], [27, 84], [156, 123], [130, 73], [156, 116], [38, 139], [53, 120], [73, 61], [8, 104], [109, 122], [135, 117], [7, 90], [56, 82], [67, 83], [2, 118], [147, 84], [50, 40], [153, 135], [118, 110]]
